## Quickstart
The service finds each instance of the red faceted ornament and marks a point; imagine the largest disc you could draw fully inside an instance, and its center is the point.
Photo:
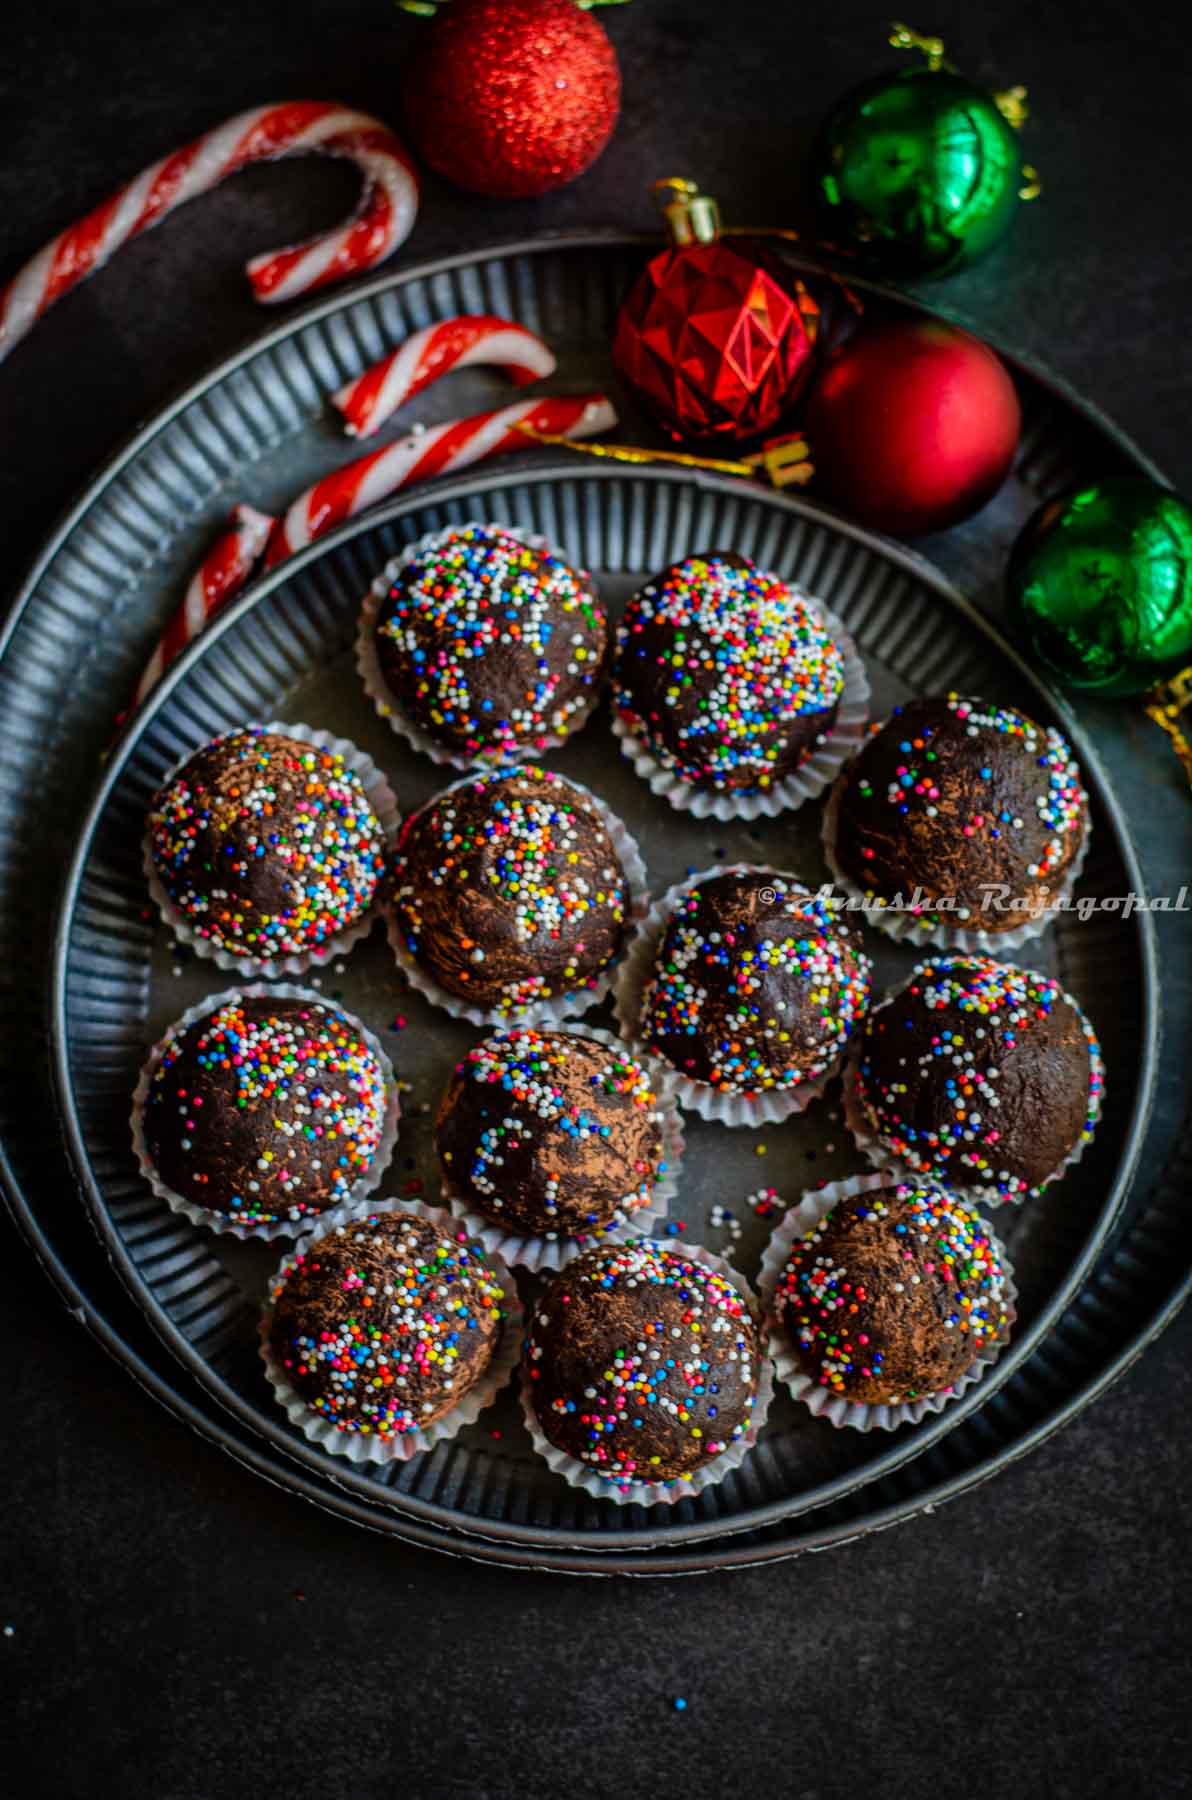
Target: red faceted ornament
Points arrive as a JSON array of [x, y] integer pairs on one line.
[[716, 338]]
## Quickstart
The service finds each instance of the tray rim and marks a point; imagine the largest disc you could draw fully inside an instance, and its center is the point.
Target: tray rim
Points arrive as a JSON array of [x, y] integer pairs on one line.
[[510, 1532]]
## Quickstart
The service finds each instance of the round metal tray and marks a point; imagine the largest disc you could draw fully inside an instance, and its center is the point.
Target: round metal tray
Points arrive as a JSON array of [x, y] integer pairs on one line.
[[256, 428]]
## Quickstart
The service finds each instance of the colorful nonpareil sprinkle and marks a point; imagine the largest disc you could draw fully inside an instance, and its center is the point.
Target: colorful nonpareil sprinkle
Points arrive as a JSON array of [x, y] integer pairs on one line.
[[266, 846], [642, 1363], [266, 1109], [383, 1325], [494, 643], [936, 1277], [530, 1077], [965, 1066], [716, 661], [772, 999], [527, 854]]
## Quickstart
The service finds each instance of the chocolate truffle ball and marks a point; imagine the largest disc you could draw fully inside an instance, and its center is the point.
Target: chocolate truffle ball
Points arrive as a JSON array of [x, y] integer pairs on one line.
[[726, 675], [548, 1133], [490, 646], [968, 813], [266, 846], [893, 1296], [266, 1109], [985, 1076], [508, 890], [756, 984], [641, 1363], [385, 1324]]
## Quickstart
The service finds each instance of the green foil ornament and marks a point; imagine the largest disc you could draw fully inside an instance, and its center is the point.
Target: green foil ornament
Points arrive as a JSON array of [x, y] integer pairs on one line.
[[1099, 586], [920, 171]]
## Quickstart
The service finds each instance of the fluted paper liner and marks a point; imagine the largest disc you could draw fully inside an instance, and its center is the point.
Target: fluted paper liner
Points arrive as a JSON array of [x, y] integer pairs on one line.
[[909, 927], [384, 803], [351, 1445], [807, 782], [554, 1250], [973, 1193], [386, 702], [559, 1007], [217, 1221], [822, 1401], [768, 1108], [652, 1493]]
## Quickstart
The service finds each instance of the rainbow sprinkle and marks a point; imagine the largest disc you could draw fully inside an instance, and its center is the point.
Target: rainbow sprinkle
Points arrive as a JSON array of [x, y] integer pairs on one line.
[[286, 1063], [745, 976], [744, 655], [964, 1065], [953, 1278], [253, 813], [481, 601], [403, 1313]]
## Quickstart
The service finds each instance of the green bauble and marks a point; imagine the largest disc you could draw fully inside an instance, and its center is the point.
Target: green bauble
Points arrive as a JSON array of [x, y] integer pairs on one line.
[[1099, 586], [919, 170]]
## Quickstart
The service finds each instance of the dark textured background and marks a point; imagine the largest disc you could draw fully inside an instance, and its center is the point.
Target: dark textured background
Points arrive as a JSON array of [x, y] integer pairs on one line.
[[181, 1631]]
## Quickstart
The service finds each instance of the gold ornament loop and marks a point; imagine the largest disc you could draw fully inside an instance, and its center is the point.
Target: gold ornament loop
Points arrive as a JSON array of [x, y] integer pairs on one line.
[[783, 462], [1164, 704], [1011, 103], [903, 38], [1032, 183]]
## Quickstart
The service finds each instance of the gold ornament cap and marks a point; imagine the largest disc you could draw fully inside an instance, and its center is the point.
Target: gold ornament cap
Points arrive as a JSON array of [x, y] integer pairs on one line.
[[691, 217]]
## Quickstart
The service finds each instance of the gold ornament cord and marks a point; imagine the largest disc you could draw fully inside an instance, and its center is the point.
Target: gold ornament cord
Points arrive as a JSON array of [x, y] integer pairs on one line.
[[1164, 704], [783, 462]]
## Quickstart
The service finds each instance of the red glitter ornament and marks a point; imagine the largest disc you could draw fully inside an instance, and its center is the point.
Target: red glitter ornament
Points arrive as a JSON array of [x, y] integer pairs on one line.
[[912, 426], [716, 338], [512, 97]]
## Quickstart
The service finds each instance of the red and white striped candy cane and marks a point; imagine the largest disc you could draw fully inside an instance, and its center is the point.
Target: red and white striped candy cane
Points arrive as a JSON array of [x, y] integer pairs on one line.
[[222, 573], [452, 344], [386, 213], [437, 450]]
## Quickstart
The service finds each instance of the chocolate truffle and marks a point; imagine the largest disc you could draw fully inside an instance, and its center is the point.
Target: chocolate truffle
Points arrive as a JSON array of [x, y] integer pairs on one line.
[[491, 646], [756, 984], [641, 1363], [985, 1076], [266, 1109], [508, 890], [548, 1133], [962, 812], [893, 1296], [266, 846], [726, 675], [385, 1324]]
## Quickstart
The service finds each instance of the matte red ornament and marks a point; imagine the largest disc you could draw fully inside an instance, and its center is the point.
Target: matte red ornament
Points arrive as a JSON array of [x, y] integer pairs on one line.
[[511, 97], [912, 426]]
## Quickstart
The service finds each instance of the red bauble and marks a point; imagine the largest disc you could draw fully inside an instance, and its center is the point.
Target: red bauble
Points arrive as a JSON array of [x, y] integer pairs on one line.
[[717, 339], [912, 426], [512, 97]]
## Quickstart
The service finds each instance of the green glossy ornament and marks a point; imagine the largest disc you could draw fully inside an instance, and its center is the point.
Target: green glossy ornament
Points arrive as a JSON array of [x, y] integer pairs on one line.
[[918, 170], [1099, 586]]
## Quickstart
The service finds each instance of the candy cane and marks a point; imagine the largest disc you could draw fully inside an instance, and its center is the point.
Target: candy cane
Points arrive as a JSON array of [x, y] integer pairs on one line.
[[386, 213], [222, 573], [436, 450], [453, 344]]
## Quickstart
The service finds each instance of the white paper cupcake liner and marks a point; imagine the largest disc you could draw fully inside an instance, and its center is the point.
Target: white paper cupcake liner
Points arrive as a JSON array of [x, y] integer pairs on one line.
[[653, 1493], [560, 1006], [350, 1445], [555, 1250], [819, 1400], [699, 1096], [807, 782], [384, 804], [973, 1193], [219, 1222], [388, 706], [908, 927]]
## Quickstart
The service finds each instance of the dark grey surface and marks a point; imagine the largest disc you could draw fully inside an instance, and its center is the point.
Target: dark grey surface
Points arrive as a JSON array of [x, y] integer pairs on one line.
[[158, 1645]]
